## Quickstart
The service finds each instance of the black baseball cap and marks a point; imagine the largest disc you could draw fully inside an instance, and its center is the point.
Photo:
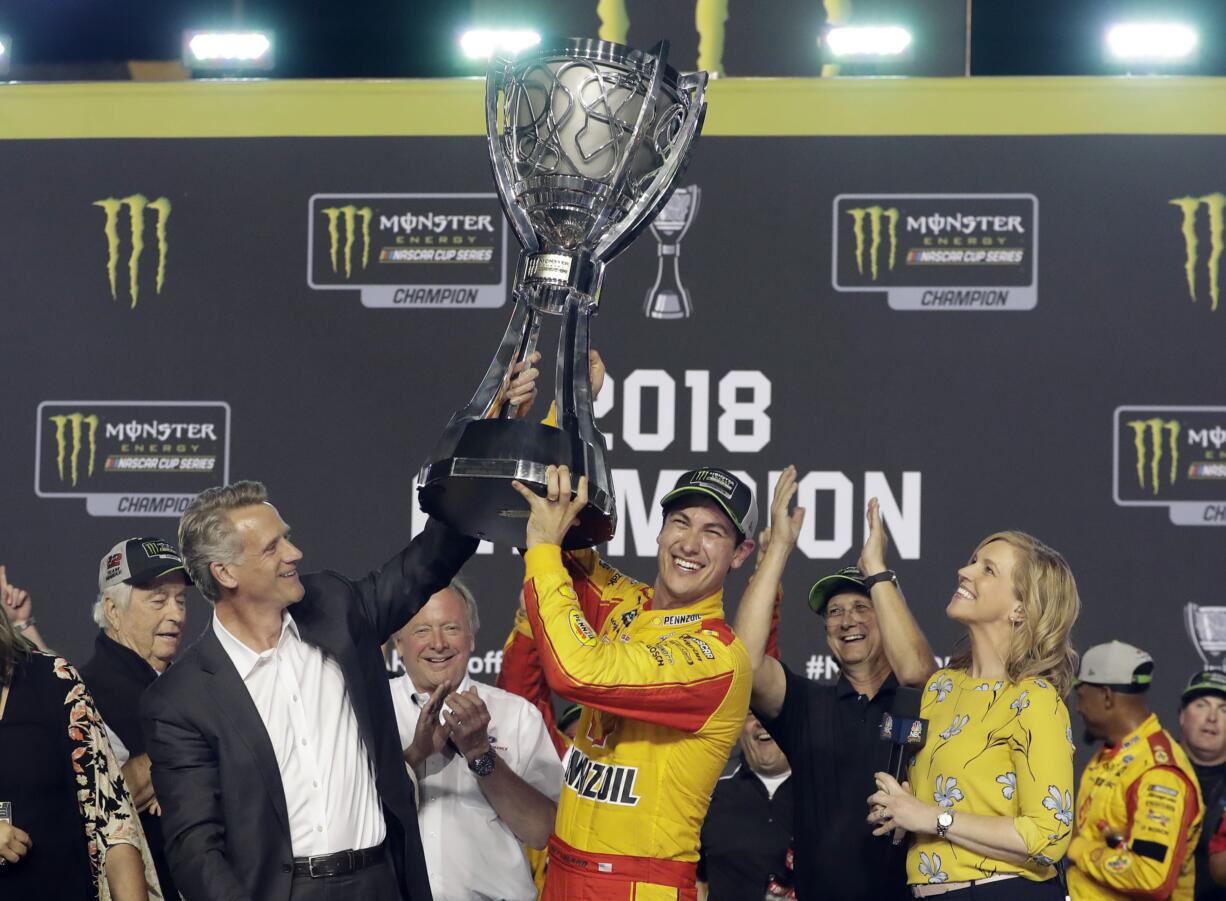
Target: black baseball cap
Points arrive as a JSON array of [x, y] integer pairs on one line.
[[139, 561], [849, 578], [732, 495], [1206, 682]]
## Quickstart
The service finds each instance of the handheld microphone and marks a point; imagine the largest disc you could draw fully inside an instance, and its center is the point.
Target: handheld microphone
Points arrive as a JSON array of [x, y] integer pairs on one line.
[[903, 728]]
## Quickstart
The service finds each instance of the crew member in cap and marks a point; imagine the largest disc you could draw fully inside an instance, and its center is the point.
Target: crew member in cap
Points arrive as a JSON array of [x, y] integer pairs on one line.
[[141, 612], [663, 681], [1202, 729], [1139, 808], [830, 733]]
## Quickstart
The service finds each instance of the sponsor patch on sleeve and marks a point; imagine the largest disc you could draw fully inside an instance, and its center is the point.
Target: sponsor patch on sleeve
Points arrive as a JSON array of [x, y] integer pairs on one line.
[[1163, 790], [1152, 850], [581, 630]]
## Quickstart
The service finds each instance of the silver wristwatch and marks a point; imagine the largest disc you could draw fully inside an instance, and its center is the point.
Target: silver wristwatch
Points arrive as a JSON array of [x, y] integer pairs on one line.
[[945, 819], [483, 765]]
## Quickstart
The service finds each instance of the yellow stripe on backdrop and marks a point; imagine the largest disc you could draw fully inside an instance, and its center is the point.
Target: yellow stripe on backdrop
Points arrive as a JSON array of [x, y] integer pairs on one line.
[[738, 107]]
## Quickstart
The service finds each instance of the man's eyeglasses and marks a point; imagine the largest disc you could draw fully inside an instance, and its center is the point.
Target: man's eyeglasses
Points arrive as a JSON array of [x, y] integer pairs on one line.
[[860, 609]]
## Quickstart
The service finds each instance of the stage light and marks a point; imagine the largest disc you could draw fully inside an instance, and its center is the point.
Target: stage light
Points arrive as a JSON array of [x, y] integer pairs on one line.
[[1155, 42], [482, 43], [227, 50], [866, 42]]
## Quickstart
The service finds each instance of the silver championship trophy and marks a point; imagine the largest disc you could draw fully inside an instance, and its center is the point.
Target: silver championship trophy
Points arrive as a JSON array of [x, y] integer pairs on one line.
[[667, 298], [1207, 629], [586, 139]]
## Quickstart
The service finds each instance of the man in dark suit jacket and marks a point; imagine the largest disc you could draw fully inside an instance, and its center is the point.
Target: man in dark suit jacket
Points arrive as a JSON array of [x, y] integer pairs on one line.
[[276, 758]]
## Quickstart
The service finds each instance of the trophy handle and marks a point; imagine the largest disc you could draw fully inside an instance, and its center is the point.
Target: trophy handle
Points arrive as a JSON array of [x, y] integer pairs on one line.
[[495, 79], [649, 202]]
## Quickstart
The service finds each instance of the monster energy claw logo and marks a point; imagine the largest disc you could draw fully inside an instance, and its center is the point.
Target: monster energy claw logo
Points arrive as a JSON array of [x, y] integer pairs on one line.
[[1147, 440], [350, 214], [136, 204], [1214, 205], [63, 440], [874, 214]]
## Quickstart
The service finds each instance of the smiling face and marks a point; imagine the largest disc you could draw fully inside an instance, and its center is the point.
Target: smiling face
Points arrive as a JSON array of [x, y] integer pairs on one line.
[[761, 753], [698, 545], [1202, 722], [985, 591], [435, 644], [152, 623], [267, 572], [851, 628]]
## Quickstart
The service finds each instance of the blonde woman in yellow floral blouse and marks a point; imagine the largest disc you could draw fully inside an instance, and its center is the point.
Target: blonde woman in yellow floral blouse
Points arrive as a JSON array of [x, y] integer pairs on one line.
[[989, 801]]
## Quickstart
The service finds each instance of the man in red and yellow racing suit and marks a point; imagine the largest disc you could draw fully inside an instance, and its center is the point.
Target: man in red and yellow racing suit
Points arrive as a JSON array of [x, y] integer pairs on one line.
[[1139, 806], [663, 681]]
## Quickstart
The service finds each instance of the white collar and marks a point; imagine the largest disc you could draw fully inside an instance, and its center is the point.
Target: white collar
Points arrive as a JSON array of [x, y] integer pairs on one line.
[[243, 657]]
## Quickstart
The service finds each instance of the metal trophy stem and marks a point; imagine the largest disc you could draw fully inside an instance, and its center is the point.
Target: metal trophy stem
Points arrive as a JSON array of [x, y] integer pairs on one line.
[[586, 140]]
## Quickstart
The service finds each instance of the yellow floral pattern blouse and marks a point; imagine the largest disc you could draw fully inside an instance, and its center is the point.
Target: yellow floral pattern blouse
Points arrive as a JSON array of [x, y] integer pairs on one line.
[[995, 749]]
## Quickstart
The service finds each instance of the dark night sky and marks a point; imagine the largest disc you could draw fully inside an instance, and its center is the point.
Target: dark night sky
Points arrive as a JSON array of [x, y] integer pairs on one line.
[[382, 38]]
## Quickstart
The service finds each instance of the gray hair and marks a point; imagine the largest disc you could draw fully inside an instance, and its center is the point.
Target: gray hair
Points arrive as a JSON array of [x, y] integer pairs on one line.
[[207, 536], [121, 594], [470, 603]]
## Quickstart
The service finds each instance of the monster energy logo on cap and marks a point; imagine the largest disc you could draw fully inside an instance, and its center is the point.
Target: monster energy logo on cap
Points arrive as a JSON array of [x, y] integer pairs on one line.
[[136, 205], [1214, 205], [732, 495]]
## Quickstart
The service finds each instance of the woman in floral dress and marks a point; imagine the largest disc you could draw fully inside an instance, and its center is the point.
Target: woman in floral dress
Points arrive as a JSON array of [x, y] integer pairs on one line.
[[989, 801], [67, 827]]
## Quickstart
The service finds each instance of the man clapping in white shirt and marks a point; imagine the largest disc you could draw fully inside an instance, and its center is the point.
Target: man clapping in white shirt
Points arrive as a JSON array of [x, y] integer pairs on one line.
[[488, 775]]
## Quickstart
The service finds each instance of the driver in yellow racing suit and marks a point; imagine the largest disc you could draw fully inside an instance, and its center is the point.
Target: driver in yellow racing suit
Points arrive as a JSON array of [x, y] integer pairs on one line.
[[663, 681], [1139, 806]]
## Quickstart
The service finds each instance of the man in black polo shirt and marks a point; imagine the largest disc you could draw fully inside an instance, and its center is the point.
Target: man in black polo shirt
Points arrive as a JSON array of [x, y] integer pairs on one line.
[[830, 733], [141, 612], [748, 829]]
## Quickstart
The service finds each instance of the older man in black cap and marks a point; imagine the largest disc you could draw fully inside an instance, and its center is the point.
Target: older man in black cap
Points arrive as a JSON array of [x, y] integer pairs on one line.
[[1202, 729], [141, 612], [830, 733]]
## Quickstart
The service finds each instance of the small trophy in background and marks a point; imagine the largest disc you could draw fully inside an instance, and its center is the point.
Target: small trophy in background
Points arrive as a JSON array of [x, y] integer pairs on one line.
[[668, 298], [1207, 629]]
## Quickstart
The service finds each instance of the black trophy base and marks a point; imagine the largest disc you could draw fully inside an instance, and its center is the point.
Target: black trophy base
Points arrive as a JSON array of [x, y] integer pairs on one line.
[[471, 489]]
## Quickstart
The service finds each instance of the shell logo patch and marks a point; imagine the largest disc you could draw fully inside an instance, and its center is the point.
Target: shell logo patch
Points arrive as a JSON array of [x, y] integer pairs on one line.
[[567, 592]]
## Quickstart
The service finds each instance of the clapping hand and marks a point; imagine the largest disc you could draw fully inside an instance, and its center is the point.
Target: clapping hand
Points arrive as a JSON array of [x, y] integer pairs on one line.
[[469, 722], [876, 542], [430, 736]]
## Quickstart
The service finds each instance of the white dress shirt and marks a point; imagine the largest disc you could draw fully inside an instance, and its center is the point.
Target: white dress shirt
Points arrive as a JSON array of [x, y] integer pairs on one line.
[[471, 855], [326, 772]]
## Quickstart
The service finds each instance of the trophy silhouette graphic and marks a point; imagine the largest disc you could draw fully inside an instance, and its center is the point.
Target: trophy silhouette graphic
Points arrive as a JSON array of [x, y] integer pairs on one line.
[[668, 298], [1207, 629]]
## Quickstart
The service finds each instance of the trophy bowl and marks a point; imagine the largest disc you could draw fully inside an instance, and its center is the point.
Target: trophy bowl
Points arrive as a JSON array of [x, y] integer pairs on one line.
[[587, 139]]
